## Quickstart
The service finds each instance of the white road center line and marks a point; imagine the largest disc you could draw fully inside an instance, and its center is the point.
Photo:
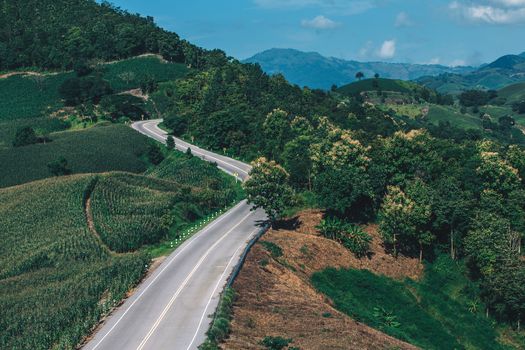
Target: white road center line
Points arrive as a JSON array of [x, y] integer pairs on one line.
[[214, 291], [168, 306], [207, 228]]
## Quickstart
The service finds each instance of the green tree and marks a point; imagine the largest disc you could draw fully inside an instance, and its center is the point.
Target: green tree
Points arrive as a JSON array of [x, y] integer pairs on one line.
[[170, 142], [359, 76], [404, 217], [148, 84], [155, 155], [296, 156], [452, 211], [340, 165], [268, 188], [25, 136], [504, 291], [276, 130], [59, 167], [421, 214]]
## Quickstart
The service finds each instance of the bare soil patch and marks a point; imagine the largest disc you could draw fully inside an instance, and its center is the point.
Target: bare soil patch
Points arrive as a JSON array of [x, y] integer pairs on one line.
[[275, 297]]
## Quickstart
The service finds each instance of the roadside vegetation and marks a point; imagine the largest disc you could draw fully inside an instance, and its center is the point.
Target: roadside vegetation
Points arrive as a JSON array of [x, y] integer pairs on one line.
[[62, 270]]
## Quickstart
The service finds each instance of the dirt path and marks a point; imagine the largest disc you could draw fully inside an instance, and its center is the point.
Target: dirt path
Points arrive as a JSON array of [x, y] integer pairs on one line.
[[27, 73]]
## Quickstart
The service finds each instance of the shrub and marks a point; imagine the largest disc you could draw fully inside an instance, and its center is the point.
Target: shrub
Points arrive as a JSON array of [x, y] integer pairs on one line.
[[170, 143], [350, 236], [155, 155], [274, 250], [59, 167], [275, 343], [220, 327], [25, 136]]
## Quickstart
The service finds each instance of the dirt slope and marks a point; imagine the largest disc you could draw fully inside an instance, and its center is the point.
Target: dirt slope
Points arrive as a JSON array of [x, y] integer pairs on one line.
[[275, 297]]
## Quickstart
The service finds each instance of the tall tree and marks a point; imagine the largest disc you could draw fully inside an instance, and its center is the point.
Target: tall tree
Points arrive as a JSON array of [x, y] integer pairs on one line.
[[268, 188]]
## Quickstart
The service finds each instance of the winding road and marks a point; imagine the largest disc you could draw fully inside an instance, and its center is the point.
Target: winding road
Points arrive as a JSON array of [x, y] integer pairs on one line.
[[171, 308]]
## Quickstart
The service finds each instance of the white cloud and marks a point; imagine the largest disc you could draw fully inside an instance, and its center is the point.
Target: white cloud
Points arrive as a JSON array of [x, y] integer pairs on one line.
[[319, 22], [490, 11], [387, 50], [403, 20], [435, 60]]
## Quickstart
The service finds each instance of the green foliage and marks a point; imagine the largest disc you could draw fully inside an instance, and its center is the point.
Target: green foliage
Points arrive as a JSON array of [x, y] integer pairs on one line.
[[274, 250], [124, 106], [139, 72], [155, 155], [87, 30], [416, 312], [76, 90], [383, 84], [42, 126], [170, 143], [268, 188], [220, 326], [25, 136], [59, 167], [350, 236], [56, 279], [473, 98], [275, 343], [99, 149], [132, 211], [30, 96]]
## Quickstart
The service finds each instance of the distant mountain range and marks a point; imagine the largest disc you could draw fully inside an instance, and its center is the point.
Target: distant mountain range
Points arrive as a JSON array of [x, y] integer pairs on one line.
[[316, 71], [506, 70]]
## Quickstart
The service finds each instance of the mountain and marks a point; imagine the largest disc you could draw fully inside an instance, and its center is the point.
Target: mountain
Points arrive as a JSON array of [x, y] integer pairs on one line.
[[316, 71], [506, 70]]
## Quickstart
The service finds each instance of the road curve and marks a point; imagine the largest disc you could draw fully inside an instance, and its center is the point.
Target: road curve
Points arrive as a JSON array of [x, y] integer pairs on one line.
[[171, 308]]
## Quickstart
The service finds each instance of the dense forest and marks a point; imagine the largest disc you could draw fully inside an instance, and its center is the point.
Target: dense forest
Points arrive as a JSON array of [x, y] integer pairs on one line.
[[59, 34]]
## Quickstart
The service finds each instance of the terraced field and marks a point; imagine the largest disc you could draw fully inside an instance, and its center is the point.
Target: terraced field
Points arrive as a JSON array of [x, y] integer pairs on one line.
[[99, 149], [73, 246]]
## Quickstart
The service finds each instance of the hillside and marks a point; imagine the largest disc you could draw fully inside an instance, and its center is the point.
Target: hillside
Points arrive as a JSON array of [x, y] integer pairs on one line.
[[504, 71], [315, 71], [381, 84], [86, 135], [74, 246], [296, 270], [65, 33]]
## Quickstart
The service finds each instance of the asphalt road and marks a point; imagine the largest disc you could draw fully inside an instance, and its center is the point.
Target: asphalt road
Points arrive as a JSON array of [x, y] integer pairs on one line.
[[171, 309]]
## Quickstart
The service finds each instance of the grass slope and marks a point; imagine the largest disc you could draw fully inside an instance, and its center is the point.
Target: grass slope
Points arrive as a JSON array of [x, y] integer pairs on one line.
[[55, 278], [382, 84], [452, 115], [99, 149], [35, 96], [432, 314]]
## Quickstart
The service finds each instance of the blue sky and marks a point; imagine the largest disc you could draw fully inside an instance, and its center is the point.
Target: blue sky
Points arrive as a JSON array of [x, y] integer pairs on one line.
[[449, 32]]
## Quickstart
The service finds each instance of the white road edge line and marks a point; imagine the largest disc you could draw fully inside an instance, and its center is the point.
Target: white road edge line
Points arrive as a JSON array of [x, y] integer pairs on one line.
[[215, 290], [197, 151], [207, 228], [168, 306]]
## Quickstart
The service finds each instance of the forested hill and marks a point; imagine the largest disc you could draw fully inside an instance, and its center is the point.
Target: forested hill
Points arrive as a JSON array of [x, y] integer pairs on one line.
[[56, 34]]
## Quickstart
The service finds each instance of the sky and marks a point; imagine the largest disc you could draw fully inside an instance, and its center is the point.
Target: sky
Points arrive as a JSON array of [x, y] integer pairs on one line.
[[448, 32]]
